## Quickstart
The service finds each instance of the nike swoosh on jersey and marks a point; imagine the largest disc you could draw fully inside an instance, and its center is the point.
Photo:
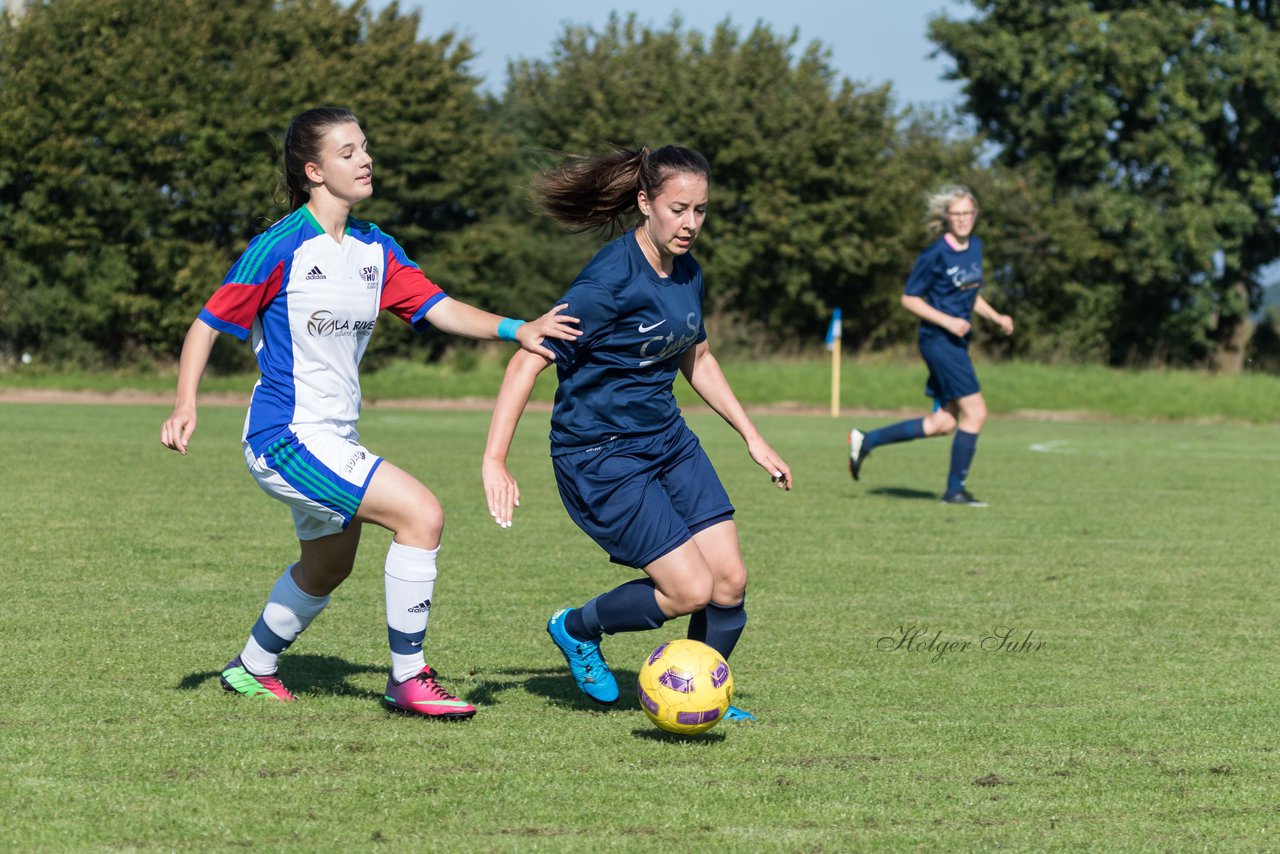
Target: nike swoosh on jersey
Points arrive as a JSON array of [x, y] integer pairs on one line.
[[642, 328]]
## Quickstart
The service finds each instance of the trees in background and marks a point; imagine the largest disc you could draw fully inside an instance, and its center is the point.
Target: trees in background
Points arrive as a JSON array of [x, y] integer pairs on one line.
[[161, 124], [1143, 147], [140, 147], [1126, 165], [809, 173]]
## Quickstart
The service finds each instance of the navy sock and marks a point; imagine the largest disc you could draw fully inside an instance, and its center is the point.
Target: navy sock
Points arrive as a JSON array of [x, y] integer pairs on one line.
[[576, 627], [903, 431], [630, 607], [962, 450], [719, 626]]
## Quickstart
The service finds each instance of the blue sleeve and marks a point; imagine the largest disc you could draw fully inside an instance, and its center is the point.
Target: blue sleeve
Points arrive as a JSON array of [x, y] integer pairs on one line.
[[597, 313], [922, 274]]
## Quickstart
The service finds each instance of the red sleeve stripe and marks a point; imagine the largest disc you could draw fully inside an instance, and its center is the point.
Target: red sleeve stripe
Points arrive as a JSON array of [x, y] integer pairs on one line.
[[407, 293], [233, 307]]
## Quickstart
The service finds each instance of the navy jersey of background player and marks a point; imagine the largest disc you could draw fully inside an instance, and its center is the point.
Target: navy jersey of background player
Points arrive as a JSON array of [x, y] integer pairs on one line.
[[947, 279], [615, 380]]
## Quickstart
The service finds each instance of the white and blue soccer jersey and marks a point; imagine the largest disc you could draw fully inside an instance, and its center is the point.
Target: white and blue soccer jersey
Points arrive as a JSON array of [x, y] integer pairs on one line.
[[615, 379], [947, 279], [310, 305]]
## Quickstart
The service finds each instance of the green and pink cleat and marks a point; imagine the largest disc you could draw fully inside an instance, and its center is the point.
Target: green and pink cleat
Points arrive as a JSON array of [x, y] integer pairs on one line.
[[237, 680]]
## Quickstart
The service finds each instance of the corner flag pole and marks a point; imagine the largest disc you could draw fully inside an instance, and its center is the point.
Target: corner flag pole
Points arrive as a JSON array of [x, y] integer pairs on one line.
[[833, 344]]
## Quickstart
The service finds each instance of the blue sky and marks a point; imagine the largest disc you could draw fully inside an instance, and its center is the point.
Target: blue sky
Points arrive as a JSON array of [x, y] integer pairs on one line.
[[871, 41]]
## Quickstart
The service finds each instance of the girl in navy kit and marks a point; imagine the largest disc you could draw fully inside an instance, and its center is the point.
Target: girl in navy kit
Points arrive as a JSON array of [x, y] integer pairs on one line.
[[309, 291], [630, 472], [942, 291]]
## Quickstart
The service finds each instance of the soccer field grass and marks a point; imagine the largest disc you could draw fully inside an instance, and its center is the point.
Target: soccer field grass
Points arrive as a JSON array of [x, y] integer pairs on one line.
[[1089, 662]]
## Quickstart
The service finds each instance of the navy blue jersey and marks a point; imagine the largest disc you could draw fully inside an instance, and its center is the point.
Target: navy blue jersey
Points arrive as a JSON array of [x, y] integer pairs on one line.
[[947, 279], [615, 379]]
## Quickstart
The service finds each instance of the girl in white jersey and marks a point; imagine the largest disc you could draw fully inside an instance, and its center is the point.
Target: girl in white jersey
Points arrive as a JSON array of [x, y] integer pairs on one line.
[[309, 291]]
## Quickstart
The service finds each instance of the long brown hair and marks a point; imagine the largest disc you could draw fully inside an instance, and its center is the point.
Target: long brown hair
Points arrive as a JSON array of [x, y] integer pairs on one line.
[[597, 192], [302, 143]]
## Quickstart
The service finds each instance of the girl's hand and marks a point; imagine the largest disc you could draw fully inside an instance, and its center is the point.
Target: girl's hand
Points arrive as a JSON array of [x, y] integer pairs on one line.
[[553, 324], [1005, 322], [769, 460], [176, 431], [959, 327], [501, 490]]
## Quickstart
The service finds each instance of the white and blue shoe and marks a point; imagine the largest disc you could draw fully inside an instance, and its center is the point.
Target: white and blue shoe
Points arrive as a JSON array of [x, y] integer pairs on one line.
[[585, 661], [856, 456]]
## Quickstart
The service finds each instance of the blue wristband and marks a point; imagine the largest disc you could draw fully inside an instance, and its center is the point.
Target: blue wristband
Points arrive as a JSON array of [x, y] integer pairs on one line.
[[507, 328]]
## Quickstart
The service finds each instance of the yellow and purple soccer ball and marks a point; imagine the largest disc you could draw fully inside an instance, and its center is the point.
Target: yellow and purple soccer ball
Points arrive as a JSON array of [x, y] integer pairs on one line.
[[685, 687]]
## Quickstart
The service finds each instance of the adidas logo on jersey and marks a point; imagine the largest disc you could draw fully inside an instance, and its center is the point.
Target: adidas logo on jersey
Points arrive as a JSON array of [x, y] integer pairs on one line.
[[315, 273], [421, 607]]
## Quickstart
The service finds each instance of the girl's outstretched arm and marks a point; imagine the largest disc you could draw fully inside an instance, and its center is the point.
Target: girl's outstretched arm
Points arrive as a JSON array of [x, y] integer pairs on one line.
[[459, 318]]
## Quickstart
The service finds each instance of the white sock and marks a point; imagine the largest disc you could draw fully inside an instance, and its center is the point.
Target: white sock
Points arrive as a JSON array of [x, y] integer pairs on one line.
[[410, 579], [288, 611]]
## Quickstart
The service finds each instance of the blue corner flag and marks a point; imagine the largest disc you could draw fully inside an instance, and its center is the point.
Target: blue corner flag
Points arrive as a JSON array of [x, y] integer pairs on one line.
[[833, 331]]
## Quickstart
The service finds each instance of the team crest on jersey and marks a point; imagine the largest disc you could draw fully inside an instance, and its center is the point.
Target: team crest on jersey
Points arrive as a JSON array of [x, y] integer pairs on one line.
[[370, 276], [323, 324]]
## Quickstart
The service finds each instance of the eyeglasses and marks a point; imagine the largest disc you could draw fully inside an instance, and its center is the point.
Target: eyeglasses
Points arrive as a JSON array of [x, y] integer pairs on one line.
[[962, 214]]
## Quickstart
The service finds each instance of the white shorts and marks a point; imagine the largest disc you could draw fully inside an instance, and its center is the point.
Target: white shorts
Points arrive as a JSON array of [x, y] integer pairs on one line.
[[323, 477]]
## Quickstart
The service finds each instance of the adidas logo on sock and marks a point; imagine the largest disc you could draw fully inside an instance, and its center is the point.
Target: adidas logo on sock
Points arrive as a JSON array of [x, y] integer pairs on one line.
[[421, 607], [315, 273]]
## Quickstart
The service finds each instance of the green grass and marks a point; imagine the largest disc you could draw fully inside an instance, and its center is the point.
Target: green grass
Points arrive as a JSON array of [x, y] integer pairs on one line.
[[868, 383], [1140, 554]]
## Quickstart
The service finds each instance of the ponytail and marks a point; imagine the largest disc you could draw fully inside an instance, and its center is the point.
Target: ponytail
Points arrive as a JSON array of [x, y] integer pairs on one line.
[[596, 193]]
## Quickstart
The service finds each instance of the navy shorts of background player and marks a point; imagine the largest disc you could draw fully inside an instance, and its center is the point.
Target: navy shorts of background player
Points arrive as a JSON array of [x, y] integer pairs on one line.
[[949, 280]]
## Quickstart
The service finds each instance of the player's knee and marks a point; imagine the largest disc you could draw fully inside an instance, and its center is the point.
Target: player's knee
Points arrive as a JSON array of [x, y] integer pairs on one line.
[[318, 576], [973, 418], [941, 423], [422, 524], [731, 587], [692, 594]]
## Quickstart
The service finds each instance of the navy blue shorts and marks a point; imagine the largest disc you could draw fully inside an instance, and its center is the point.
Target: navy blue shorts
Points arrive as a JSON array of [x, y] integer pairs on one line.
[[951, 374], [640, 498]]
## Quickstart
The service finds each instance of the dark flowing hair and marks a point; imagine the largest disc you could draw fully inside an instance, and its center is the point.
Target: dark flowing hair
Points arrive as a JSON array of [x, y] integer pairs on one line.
[[302, 146], [597, 192]]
